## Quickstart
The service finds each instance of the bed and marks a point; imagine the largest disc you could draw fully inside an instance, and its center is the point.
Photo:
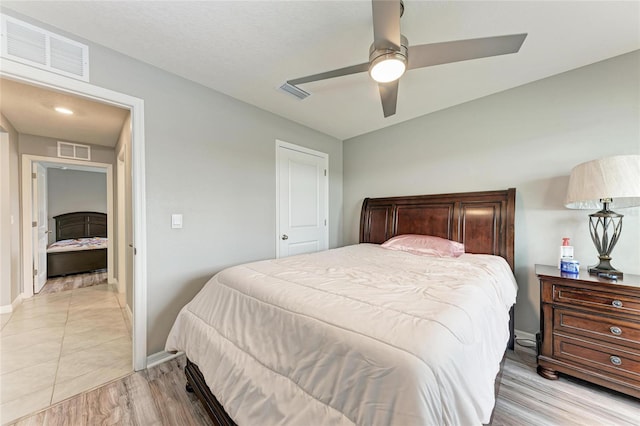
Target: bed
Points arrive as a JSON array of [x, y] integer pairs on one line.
[[80, 244], [353, 335]]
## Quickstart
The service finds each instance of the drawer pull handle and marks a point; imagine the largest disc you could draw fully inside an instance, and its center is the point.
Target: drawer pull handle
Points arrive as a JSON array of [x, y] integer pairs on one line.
[[615, 360], [615, 330], [617, 303]]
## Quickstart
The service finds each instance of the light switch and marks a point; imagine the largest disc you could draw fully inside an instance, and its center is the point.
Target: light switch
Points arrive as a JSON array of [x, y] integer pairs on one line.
[[176, 221]]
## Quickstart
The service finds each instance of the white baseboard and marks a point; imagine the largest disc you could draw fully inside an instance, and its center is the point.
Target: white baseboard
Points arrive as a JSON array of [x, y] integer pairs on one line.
[[7, 309], [160, 357]]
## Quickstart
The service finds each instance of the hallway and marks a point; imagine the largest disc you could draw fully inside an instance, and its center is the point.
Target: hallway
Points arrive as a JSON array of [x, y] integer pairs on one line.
[[54, 346]]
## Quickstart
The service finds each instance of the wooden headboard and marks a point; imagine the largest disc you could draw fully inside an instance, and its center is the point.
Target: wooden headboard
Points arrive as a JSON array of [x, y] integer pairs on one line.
[[483, 221], [80, 225]]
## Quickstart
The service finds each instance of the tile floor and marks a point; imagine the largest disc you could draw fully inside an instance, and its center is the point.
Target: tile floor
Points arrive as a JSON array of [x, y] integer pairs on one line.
[[54, 346]]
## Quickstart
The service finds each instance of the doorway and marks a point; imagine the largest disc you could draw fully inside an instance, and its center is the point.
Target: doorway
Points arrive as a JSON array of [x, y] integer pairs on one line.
[[35, 221], [61, 187], [40, 78], [302, 192]]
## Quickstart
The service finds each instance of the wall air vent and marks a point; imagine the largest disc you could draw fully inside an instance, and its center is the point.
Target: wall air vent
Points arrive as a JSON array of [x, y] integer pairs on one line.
[[74, 150], [28, 44]]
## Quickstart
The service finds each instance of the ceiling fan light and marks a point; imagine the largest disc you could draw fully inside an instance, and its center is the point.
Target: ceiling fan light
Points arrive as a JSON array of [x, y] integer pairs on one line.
[[387, 63], [387, 69]]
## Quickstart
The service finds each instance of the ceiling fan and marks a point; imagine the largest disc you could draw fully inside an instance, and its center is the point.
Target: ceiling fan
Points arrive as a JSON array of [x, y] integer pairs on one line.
[[390, 54]]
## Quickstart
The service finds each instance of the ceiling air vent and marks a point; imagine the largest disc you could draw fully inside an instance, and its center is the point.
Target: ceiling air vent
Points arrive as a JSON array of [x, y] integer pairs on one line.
[[28, 44], [74, 150], [294, 90]]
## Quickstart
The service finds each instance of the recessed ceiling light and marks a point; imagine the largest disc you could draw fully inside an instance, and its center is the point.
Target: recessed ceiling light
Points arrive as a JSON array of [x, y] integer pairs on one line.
[[63, 110]]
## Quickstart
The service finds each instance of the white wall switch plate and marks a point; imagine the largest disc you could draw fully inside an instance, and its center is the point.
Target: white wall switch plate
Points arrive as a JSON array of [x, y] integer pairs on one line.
[[176, 221]]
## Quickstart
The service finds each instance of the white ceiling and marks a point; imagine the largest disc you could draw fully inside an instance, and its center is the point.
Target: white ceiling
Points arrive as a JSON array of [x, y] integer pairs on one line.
[[31, 110], [248, 49]]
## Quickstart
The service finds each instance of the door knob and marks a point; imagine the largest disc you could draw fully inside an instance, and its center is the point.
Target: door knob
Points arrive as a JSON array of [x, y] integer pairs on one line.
[[285, 237]]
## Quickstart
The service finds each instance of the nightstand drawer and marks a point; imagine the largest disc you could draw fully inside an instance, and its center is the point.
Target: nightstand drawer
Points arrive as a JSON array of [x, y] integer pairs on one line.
[[600, 300], [610, 358], [603, 327]]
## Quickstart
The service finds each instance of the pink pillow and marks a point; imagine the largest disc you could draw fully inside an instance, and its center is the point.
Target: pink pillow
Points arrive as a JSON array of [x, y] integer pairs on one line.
[[425, 245]]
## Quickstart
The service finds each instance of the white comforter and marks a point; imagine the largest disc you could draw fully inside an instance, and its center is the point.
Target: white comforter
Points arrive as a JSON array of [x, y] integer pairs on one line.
[[359, 334]]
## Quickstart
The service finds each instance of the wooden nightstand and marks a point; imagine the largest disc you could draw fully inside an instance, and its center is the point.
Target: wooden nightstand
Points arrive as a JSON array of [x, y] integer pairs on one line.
[[590, 328]]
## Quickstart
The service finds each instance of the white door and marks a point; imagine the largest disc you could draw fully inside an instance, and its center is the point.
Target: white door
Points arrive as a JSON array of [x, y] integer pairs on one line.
[[41, 225], [303, 200]]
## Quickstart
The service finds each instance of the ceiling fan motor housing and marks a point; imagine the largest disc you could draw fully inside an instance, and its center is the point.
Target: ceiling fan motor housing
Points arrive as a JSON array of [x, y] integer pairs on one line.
[[390, 49]]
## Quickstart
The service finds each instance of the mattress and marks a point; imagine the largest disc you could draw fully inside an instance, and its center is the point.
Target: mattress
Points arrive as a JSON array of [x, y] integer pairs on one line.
[[79, 244], [356, 335]]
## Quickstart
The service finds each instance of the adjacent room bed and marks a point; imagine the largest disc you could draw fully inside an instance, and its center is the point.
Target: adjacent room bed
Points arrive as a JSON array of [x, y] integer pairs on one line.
[[409, 332], [80, 244]]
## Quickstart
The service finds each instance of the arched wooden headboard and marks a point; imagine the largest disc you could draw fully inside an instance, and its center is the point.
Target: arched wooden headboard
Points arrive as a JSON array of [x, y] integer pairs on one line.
[[483, 221]]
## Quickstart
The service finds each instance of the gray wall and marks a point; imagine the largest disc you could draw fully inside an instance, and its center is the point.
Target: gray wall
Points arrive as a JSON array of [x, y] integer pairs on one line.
[[529, 138], [74, 191], [211, 158], [11, 264]]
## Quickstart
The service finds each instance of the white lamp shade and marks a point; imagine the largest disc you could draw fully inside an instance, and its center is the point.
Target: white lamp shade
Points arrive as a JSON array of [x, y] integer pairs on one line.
[[616, 178]]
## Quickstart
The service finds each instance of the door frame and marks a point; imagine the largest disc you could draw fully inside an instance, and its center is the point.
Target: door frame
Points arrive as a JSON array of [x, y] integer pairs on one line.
[[304, 150], [28, 249], [34, 76], [121, 216]]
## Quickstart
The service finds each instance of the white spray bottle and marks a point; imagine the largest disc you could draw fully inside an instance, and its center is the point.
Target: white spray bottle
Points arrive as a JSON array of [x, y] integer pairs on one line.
[[566, 251]]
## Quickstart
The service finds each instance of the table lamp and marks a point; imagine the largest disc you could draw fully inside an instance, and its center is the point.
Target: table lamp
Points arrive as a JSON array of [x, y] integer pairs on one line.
[[612, 182]]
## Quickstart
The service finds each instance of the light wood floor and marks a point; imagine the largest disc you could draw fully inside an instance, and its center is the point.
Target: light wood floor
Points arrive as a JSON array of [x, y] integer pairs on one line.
[[525, 398], [157, 397]]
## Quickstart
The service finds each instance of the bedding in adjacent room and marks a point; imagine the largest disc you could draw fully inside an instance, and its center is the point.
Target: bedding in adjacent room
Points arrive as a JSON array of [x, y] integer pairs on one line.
[[359, 334], [77, 244]]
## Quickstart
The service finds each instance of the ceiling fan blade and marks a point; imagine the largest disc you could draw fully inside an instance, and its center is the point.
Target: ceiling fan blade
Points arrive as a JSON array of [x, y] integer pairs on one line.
[[330, 74], [389, 97], [426, 55], [386, 24]]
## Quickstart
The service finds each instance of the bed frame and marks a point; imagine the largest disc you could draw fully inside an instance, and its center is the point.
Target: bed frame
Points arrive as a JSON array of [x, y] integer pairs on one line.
[[72, 226], [483, 221]]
